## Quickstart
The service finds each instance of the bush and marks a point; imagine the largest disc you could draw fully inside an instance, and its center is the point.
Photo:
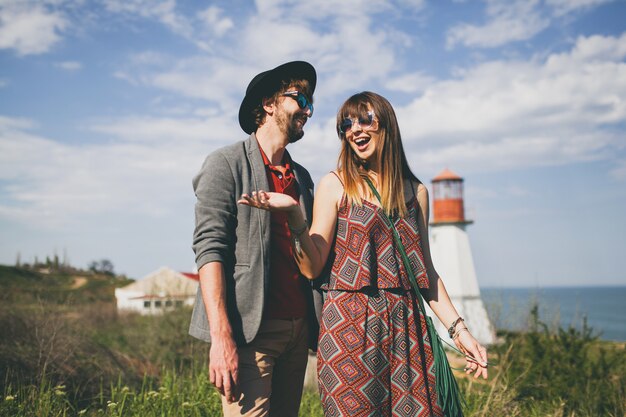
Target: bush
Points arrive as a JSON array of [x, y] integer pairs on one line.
[[567, 370], [89, 348], [88, 360]]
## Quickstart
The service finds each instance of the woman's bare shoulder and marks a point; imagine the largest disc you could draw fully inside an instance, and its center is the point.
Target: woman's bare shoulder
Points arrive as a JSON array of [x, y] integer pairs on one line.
[[418, 187], [332, 180], [330, 186], [422, 193]]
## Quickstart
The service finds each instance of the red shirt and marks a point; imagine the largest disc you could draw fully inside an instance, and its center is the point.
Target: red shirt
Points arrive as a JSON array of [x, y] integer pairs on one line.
[[287, 297]]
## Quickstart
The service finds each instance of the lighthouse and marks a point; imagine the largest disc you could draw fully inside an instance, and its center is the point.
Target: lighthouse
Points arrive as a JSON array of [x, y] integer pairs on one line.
[[452, 256]]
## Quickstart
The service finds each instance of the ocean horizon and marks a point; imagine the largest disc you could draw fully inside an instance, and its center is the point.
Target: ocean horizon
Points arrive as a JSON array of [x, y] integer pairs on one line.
[[603, 307]]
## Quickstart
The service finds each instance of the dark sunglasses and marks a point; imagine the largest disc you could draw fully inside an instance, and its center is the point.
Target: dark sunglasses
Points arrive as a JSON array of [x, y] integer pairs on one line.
[[365, 122], [301, 99]]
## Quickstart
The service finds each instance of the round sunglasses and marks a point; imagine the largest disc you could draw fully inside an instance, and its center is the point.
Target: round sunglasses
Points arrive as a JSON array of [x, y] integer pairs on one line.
[[365, 122]]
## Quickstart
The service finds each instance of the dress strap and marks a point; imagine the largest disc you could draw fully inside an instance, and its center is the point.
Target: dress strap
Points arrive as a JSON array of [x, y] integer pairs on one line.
[[338, 177], [344, 198], [413, 200]]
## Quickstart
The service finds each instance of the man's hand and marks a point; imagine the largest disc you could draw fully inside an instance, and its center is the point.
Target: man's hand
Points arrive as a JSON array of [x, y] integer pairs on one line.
[[224, 367]]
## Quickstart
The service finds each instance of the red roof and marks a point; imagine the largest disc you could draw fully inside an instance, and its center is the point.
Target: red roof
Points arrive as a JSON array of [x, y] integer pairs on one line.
[[447, 175], [161, 297], [191, 275]]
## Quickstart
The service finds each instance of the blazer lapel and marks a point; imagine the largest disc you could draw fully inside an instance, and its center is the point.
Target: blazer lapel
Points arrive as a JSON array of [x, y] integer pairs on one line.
[[259, 178]]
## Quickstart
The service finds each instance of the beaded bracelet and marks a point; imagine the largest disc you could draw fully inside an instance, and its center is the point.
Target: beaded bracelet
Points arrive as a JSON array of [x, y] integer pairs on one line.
[[459, 332], [453, 325]]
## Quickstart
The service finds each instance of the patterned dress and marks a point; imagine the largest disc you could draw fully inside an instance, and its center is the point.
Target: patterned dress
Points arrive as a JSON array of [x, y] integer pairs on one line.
[[374, 355]]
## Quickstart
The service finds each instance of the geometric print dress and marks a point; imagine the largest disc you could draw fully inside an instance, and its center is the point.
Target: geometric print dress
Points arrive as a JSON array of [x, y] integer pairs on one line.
[[374, 356]]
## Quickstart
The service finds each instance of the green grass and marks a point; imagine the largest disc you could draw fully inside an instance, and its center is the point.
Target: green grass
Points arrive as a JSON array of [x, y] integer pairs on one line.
[[85, 359], [175, 395], [27, 286]]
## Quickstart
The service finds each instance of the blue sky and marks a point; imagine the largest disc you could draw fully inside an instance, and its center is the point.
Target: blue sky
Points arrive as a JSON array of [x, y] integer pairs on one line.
[[108, 108]]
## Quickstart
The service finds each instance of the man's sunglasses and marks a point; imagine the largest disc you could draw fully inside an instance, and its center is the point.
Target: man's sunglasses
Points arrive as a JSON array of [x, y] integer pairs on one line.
[[365, 122], [301, 99]]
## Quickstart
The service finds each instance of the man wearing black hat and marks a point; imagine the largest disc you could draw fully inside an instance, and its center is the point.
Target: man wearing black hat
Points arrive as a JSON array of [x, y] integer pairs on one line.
[[253, 306]]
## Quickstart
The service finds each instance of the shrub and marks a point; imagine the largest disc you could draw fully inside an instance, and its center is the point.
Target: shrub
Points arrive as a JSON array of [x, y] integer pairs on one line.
[[88, 360], [567, 369]]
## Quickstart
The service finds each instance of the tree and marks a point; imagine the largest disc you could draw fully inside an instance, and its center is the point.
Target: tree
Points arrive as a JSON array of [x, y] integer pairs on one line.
[[103, 266]]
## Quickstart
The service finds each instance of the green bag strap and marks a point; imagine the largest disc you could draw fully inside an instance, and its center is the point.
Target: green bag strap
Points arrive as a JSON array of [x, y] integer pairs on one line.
[[448, 394]]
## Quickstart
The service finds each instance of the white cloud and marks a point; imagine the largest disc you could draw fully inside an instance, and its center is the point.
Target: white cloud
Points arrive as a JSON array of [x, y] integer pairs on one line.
[[69, 65], [562, 7], [349, 55], [416, 4], [218, 80], [594, 48], [29, 27], [154, 131], [163, 11], [509, 21], [498, 115], [619, 172], [143, 157], [213, 19], [10, 123], [410, 82], [506, 114], [516, 20]]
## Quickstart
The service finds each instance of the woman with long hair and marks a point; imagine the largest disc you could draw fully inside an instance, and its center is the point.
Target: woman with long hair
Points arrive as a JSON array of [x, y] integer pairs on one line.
[[375, 354]]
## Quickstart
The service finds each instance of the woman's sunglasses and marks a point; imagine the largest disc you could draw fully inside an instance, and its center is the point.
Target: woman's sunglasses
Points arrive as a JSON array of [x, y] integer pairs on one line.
[[365, 122], [301, 99]]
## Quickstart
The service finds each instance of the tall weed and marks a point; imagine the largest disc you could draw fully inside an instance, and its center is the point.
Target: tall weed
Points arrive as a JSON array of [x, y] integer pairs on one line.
[[60, 360], [566, 369]]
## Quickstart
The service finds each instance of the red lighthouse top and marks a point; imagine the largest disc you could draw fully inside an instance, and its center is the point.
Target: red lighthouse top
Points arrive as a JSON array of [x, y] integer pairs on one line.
[[447, 175], [448, 198]]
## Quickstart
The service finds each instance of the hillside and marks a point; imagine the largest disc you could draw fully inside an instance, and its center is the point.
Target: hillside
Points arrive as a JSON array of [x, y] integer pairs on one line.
[[26, 285]]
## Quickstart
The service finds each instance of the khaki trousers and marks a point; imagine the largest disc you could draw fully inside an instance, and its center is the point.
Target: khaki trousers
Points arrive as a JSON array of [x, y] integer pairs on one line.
[[271, 371]]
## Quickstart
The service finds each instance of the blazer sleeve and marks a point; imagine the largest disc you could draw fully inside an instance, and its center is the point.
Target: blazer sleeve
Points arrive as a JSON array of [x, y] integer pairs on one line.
[[215, 211]]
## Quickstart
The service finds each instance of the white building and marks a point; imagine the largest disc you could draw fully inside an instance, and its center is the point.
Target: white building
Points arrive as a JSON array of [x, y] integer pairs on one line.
[[452, 257], [159, 291]]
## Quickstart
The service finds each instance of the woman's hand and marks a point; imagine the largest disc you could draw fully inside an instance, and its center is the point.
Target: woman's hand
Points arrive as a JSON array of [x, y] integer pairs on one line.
[[476, 354], [269, 201]]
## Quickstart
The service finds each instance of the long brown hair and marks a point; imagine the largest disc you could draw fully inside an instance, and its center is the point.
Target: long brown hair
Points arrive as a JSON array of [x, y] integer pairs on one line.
[[393, 165]]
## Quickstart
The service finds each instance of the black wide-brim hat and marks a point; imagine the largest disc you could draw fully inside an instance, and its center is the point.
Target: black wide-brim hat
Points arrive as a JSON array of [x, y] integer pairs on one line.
[[267, 83]]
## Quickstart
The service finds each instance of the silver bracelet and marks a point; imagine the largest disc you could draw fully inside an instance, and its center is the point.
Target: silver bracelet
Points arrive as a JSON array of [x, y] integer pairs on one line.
[[295, 234]]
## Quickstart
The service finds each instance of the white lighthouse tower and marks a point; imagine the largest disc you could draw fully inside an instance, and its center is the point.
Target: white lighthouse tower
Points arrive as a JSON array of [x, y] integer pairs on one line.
[[452, 256]]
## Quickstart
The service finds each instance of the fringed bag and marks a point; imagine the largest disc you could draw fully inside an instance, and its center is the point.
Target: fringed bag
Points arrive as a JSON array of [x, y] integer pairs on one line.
[[448, 395]]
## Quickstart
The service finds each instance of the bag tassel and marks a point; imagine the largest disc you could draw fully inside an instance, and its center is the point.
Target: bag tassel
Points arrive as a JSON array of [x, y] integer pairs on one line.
[[449, 396]]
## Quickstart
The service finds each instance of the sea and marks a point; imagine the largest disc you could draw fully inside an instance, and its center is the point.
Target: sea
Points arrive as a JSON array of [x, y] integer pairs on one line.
[[603, 308]]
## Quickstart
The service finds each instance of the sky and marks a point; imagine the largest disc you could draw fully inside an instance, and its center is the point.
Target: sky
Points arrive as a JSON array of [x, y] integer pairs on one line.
[[109, 107]]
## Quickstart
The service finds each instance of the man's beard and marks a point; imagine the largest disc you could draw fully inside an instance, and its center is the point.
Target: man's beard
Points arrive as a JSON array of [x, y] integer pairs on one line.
[[289, 125]]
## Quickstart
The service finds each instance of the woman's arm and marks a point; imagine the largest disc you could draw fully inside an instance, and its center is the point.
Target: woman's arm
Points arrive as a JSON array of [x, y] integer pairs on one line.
[[317, 242], [439, 301]]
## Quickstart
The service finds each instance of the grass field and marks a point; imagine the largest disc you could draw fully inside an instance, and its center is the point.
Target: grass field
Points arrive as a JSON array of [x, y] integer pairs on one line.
[[62, 358]]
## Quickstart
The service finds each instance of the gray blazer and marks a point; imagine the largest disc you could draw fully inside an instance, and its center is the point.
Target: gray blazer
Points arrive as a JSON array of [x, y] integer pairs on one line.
[[239, 237]]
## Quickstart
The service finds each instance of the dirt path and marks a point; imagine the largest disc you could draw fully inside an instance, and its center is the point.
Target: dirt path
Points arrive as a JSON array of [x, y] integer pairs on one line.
[[78, 282]]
